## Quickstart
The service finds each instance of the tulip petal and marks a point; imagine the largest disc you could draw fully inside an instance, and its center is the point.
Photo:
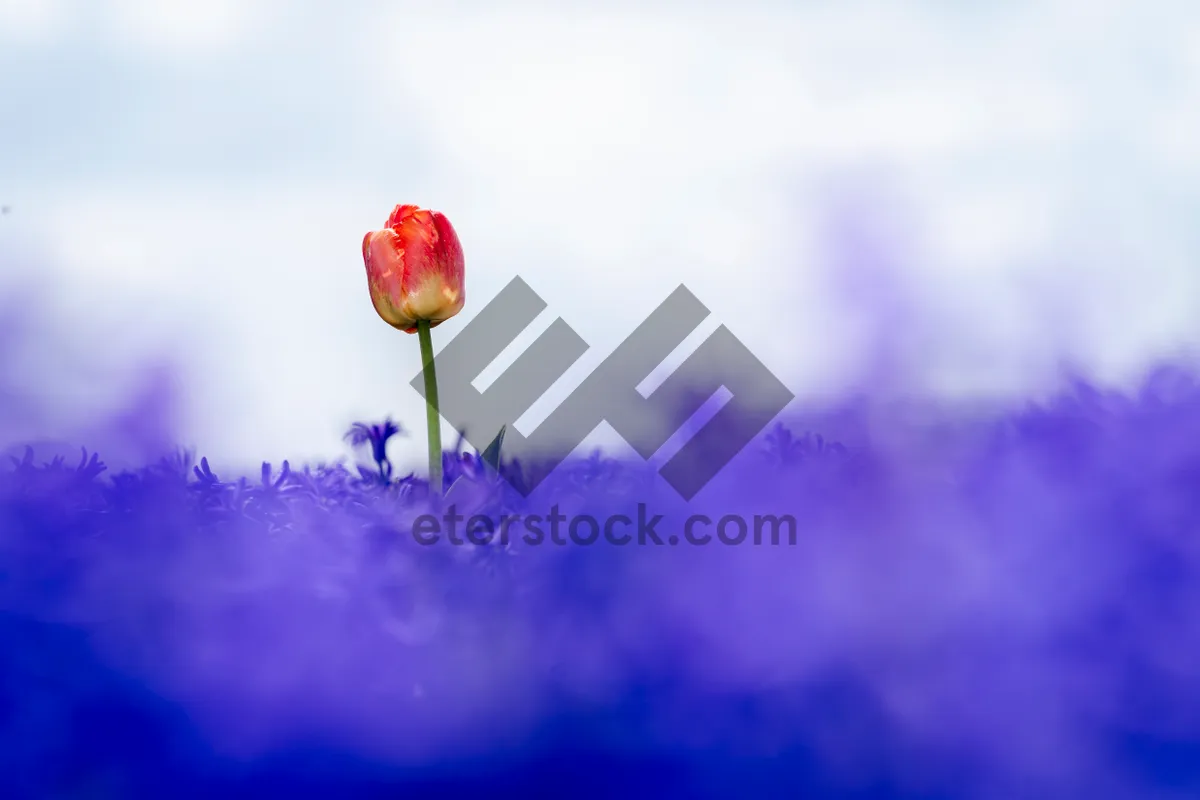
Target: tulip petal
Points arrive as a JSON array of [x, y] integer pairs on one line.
[[400, 213], [385, 263]]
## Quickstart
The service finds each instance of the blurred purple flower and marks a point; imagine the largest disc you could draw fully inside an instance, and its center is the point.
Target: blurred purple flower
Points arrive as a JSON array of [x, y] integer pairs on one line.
[[377, 436]]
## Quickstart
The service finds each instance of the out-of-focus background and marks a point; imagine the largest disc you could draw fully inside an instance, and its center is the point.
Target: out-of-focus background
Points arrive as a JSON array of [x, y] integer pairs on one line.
[[988, 189]]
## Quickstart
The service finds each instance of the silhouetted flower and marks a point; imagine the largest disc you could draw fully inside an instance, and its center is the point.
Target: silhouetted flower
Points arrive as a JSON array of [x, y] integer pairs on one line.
[[377, 436]]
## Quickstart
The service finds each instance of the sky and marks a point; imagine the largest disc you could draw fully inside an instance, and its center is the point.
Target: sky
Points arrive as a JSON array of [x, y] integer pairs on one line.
[[984, 191]]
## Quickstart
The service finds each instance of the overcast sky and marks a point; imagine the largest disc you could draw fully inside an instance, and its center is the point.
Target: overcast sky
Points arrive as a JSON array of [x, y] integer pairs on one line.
[[193, 180]]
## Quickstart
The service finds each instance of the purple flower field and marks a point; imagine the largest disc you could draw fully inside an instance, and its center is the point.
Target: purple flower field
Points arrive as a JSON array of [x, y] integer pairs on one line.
[[974, 607]]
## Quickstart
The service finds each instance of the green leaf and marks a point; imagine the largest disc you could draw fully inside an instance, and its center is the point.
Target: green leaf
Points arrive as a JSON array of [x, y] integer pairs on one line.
[[491, 456]]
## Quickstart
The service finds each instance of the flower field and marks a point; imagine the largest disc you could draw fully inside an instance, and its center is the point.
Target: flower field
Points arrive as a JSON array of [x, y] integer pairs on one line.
[[992, 606]]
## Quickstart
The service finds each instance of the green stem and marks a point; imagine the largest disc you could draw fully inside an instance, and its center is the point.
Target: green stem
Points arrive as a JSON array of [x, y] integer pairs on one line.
[[432, 418]]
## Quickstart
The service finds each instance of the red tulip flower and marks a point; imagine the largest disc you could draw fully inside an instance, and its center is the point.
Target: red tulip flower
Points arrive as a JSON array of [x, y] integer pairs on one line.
[[415, 274], [415, 269]]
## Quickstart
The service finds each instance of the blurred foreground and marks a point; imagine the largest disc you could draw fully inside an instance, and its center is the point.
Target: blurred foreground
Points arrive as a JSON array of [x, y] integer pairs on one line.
[[993, 607]]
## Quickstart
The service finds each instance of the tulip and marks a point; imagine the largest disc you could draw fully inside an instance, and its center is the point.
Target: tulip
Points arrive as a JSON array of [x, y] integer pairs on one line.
[[415, 269], [415, 275]]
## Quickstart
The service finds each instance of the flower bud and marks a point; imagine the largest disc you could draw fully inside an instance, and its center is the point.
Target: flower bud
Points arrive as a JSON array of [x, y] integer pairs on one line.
[[415, 268]]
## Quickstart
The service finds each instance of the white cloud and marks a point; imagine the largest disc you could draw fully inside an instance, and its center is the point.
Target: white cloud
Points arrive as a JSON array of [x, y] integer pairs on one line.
[[31, 21], [178, 28]]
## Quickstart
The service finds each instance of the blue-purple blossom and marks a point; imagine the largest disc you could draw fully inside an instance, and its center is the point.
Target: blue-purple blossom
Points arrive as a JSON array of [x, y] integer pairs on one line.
[[376, 435], [974, 606]]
